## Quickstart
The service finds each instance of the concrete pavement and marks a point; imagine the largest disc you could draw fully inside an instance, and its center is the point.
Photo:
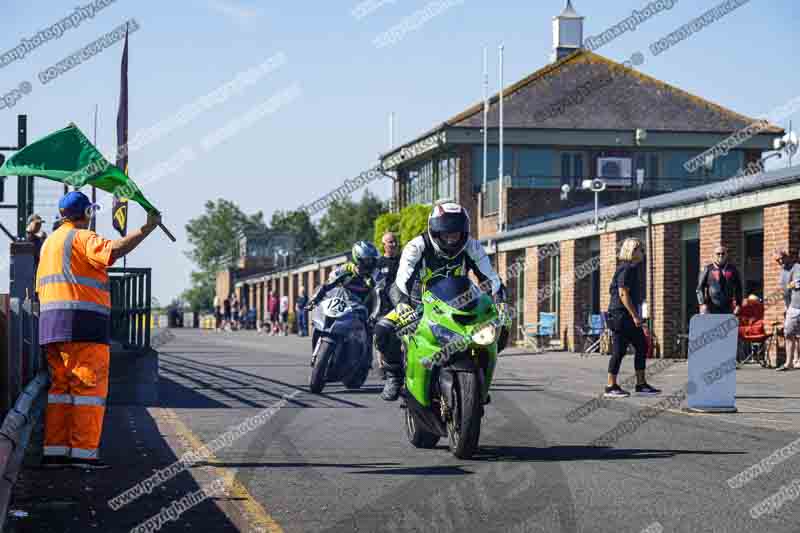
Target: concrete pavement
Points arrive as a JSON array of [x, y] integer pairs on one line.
[[340, 462]]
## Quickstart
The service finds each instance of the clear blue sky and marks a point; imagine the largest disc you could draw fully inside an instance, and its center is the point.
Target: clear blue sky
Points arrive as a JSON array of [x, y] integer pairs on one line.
[[339, 123]]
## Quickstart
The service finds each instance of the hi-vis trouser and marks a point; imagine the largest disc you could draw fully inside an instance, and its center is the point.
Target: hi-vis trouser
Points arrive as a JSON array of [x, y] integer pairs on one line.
[[76, 401]]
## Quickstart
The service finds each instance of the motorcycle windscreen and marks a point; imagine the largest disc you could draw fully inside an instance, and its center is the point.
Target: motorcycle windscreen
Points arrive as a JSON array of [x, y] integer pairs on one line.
[[459, 292]]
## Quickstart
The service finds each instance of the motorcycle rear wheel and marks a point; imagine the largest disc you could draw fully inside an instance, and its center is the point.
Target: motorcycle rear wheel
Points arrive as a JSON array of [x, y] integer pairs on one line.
[[317, 381], [464, 426], [418, 437]]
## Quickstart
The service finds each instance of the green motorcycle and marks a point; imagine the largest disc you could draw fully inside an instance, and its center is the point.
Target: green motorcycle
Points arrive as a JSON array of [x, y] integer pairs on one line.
[[449, 363]]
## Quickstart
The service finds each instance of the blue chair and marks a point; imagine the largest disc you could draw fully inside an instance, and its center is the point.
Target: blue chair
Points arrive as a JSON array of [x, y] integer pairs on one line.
[[545, 328], [592, 333]]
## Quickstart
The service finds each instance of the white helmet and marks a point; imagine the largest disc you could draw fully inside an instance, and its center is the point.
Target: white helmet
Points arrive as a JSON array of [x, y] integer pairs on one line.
[[448, 218]]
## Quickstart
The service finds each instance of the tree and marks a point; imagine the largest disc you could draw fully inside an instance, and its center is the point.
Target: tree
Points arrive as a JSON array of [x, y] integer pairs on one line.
[[298, 224], [346, 222], [413, 222], [214, 237]]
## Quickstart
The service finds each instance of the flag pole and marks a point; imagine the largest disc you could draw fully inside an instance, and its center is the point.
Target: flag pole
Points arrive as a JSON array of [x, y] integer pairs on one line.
[[93, 225], [500, 177], [485, 115]]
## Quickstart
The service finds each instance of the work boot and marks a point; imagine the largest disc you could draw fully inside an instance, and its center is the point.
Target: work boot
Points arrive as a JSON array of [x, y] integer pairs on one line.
[[394, 382]]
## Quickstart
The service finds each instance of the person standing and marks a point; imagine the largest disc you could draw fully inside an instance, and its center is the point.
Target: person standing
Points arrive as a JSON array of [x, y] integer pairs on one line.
[[273, 313], [74, 329], [719, 287], [625, 321], [226, 320], [387, 267], [790, 283], [302, 314], [285, 315], [34, 234], [390, 261]]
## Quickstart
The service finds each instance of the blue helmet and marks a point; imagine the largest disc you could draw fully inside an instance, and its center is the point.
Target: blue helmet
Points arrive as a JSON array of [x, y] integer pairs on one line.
[[365, 256]]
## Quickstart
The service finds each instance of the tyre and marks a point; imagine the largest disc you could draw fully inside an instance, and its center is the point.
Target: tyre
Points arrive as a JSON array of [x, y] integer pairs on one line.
[[326, 351], [464, 425], [418, 437], [357, 379]]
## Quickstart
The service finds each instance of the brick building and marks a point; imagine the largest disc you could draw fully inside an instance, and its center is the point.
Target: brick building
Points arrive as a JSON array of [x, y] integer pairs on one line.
[[574, 119]]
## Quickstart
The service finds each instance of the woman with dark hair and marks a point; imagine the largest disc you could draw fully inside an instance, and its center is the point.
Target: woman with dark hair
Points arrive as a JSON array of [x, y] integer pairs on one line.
[[625, 322]]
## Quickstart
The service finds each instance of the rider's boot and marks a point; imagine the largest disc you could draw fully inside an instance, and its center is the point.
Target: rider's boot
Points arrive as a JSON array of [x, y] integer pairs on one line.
[[394, 382]]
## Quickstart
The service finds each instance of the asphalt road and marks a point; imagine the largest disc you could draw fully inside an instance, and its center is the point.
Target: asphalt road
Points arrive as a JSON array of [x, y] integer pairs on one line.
[[339, 461]]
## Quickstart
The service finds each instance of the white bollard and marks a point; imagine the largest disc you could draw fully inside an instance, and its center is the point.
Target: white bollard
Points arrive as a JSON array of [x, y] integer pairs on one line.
[[712, 363]]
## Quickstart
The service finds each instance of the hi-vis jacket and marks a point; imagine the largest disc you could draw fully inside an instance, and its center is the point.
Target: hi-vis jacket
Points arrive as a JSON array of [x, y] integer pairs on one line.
[[75, 302], [419, 265]]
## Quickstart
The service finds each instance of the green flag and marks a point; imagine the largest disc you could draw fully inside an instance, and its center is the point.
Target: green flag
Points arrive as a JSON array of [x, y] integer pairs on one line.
[[68, 157]]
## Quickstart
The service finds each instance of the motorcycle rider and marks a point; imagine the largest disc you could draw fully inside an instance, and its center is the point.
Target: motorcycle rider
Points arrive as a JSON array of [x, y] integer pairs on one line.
[[444, 250], [356, 276]]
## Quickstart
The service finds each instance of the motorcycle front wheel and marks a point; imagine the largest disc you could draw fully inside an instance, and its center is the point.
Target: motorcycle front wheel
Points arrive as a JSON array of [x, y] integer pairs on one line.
[[418, 437], [326, 351], [464, 424]]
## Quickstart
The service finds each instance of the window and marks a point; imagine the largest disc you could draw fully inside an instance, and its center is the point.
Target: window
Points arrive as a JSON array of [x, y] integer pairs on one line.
[[572, 168], [752, 224]]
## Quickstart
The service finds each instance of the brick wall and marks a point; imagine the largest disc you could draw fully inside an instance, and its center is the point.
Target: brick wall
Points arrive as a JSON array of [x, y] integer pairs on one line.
[[780, 232], [609, 243], [722, 229], [575, 299], [464, 194], [532, 285], [665, 253]]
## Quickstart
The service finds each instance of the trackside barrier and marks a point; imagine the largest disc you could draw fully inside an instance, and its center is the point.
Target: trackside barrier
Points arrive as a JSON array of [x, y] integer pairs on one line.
[[130, 306], [712, 363]]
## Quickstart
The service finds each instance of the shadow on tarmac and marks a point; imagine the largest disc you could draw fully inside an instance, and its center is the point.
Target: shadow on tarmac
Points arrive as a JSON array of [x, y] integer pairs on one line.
[[579, 453], [197, 376]]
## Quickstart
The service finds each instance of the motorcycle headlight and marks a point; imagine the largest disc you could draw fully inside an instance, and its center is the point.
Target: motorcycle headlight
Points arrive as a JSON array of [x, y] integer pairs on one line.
[[485, 335]]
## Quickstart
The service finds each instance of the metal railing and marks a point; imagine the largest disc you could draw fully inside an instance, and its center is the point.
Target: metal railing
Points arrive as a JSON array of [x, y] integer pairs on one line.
[[21, 357], [130, 306]]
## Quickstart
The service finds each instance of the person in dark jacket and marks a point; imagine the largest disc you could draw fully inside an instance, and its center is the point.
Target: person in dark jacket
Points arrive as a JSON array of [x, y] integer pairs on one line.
[[719, 287], [390, 261], [625, 321]]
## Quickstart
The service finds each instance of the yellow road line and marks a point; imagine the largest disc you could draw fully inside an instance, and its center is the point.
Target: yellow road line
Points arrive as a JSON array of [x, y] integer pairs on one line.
[[257, 516]]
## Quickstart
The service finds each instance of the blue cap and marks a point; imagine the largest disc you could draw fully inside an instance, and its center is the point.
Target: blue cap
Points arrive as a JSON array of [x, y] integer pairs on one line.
[[75, 204]]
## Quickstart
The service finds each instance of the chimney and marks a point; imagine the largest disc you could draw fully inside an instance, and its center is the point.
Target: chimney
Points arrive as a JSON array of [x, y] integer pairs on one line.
[[567, 32]]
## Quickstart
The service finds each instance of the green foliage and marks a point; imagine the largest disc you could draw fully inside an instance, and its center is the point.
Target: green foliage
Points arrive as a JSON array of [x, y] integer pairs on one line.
[[214, 238], [413, 222], [214, 235], [386, 222], [298, 224], [346, 222]]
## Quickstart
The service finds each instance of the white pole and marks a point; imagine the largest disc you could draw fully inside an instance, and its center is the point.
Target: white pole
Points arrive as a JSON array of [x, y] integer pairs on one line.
[[485, 115], [391, 130], [500, 174]]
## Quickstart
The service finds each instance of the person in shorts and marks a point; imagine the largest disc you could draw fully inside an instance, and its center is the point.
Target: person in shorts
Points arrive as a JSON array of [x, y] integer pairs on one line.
[[285, 315], [791, 325]]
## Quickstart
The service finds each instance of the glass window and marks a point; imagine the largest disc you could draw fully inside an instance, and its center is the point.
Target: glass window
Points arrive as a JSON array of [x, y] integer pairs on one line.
[[566, 166], [652, 170]]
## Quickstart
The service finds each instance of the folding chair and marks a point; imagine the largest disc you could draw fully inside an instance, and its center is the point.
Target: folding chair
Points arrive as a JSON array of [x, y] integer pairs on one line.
[[545, 328], [754, 341], [592, 333]]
